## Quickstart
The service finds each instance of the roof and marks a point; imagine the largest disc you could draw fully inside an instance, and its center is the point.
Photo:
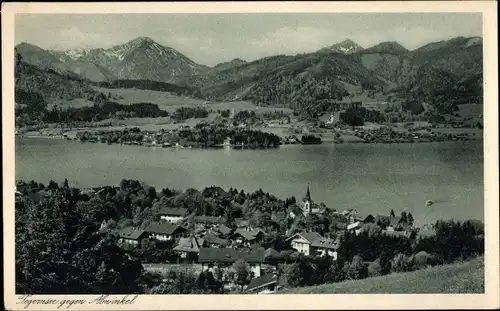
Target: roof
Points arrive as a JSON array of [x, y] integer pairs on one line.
[[224, 229], [163, 227], [296, 210], [240, 222], [249, 235], [173, 211], [190, 244], [395, 220], [209, 220], [230, 255], [382, 218], [309, 236], [363, 218], [396, 233], [131, 233], [325, 243], [271, 252], [262, 281], [213, 239], [353, 225]]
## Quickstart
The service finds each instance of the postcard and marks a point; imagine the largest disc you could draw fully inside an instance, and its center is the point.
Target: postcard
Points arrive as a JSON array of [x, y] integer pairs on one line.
[[250, 155]]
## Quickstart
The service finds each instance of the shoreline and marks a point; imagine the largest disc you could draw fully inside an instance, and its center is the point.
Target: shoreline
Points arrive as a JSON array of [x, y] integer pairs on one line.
[[327, 141]]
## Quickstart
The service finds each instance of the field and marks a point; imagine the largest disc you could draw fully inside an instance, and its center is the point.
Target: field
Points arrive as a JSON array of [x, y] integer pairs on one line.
[[470, 110], [169, 102], [467, 277]]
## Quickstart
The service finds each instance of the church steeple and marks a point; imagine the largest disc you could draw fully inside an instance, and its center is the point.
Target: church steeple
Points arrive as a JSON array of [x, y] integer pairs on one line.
[[308, 195]]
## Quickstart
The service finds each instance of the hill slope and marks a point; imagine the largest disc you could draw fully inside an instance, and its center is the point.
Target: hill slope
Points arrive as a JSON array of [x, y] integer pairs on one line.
[[33, 81], [305, 80], [467, 277]]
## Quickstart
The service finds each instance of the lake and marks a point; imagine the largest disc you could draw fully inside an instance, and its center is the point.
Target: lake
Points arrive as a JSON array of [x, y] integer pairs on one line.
[[373, 178]]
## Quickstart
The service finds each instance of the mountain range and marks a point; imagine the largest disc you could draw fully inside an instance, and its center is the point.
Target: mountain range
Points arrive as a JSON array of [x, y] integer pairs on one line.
[[438, 71]]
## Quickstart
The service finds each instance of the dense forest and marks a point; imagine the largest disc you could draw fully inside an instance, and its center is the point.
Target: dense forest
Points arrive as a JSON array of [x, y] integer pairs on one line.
[[147, 85], [206, 135]]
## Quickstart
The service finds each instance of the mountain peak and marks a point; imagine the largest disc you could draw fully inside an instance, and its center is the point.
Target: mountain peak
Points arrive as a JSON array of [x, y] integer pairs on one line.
[[389, 47], [142, 39], [344, 47]]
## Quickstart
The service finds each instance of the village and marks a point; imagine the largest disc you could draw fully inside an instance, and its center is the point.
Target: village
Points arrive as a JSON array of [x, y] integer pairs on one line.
[[209, 243]]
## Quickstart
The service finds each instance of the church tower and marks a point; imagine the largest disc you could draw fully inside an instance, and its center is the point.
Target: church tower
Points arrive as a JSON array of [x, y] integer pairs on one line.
[[306, 202]]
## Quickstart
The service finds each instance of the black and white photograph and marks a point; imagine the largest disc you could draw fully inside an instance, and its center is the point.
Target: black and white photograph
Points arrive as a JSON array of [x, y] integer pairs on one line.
[[249, 153]]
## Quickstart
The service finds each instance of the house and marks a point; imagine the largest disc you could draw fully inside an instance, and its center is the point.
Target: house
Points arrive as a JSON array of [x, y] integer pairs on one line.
[[354, 227], [382, 220], [272, 256], [214, 241], [325, 247], [312, 243], [302, 241], [223, 230], [364, 219], [241, 223], [189, 248], [132, 236], [248, 236], [295, 211], [165, 231], [264, 284], [399, 234], [172, 214], [224, 258], [395, 223]]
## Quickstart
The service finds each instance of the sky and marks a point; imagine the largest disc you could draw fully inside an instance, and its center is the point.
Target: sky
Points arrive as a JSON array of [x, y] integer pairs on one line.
[[210, 39]]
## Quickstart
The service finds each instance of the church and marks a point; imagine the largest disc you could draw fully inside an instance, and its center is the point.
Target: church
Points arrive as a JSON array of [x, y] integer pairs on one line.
[[308, 206]]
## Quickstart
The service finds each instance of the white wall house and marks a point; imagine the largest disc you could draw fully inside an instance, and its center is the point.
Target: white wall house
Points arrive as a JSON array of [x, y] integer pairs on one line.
[[132, 236], [301, 245], [165, 231], [173, 215], [313, 244], [171, 218]]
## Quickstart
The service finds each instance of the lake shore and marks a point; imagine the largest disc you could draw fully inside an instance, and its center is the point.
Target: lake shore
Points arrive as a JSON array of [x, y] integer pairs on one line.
[[446, 134]]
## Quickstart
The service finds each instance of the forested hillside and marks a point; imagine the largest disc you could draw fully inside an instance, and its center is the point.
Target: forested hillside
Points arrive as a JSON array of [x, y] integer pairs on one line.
[[32, 81], [441, 74]]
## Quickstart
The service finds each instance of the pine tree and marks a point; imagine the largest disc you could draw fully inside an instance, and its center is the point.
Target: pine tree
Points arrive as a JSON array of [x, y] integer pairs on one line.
[[411, 220]]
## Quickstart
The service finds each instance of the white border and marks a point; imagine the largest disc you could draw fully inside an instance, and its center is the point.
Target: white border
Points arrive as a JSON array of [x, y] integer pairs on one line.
[[293, 302]]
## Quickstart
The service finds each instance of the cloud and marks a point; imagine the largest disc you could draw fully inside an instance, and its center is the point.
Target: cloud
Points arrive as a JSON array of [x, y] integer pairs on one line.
[[73, 37], [289, 39]]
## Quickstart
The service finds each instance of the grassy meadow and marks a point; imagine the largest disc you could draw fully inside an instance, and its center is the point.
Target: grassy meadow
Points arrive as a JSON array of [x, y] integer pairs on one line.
[[464, 277]]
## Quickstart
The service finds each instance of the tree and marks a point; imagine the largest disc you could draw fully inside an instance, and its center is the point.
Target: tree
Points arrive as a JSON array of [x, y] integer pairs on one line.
[[403, 263], [372, 229], [392, 213], [356, 269], [385, 262], [374, 268], [59, 250], [404, 218], [410, 220], [243, 273]]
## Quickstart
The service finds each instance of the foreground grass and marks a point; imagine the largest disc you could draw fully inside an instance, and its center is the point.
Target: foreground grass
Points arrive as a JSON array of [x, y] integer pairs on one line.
[[467, 277]]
